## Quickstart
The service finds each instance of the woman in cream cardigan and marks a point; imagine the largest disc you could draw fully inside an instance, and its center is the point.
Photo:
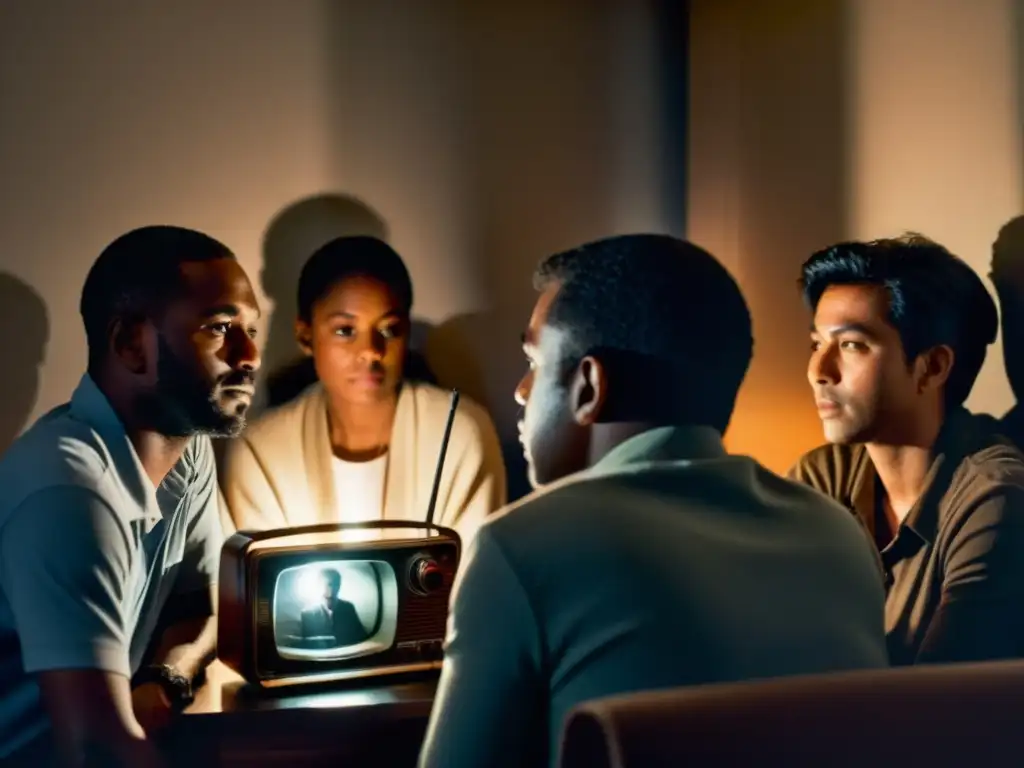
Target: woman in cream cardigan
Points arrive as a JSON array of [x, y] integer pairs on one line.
[[361, 444]]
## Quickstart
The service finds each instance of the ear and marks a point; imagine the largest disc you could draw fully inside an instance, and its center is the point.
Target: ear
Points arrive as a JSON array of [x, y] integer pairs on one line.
[[934, 367], [588, 391], [128, 344], [304, 336]]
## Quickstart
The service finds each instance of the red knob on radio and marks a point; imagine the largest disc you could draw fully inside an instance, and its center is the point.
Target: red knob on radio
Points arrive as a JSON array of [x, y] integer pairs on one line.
[[425, 576]]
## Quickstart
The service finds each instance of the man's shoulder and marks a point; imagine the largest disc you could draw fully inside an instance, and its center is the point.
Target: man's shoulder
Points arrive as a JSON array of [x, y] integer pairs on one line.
[[716, 508], [563, 495], [58, 450], [993, 462], [832, 469], [833, 459], [531, 524], [577, 501]]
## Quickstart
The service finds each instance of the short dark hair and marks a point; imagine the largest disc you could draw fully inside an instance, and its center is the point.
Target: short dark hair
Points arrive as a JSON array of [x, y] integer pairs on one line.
[[136, 275], [352, 256], [935, 298], [667, 310], [333, 578]]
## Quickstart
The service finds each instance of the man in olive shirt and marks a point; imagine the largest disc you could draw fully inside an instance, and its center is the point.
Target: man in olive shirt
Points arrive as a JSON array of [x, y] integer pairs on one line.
[[899, 334]]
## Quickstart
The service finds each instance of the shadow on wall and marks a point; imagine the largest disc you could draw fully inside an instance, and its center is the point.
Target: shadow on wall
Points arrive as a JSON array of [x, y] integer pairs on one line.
[[539, 172], [23, 348], [293, 236], [1008, 278], [454, 349]]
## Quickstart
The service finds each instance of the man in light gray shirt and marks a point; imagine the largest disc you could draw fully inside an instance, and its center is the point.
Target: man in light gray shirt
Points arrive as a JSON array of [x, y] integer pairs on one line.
[[109, 514], [647, 557]]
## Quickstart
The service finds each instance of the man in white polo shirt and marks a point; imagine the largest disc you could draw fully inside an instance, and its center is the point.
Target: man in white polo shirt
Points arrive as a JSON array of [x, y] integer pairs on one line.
[[649, 557], [108, 508]]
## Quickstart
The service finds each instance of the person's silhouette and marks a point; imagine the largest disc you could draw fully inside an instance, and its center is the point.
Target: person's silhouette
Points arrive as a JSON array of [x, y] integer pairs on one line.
[[23, 308], [332, 616], [1008, 278]]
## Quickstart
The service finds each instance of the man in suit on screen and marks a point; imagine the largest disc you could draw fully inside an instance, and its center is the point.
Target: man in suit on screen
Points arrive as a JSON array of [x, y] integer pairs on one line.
[[333, 616]]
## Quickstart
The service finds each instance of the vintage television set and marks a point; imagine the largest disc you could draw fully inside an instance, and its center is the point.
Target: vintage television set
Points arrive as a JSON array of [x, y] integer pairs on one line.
[[324, 602]]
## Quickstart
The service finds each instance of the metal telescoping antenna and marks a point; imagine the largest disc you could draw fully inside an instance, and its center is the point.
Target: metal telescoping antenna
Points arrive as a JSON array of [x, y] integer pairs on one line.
[[441, 457]]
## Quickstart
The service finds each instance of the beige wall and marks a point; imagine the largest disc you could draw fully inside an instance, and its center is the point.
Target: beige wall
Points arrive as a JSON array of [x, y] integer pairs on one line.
[[938, 141], [815, 120], [478, 137]]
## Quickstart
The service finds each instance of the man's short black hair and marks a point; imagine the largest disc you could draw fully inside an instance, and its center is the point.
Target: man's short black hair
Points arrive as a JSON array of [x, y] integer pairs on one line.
[[352, 256], [667, 315], [333, 578], [136, 275], [935, 298]]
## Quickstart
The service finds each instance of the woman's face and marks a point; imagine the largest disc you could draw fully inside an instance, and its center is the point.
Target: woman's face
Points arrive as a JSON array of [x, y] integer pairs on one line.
[[358, 337]]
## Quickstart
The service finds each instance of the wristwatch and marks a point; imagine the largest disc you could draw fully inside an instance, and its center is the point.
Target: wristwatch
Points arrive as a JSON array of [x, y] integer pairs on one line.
[[176, 686]]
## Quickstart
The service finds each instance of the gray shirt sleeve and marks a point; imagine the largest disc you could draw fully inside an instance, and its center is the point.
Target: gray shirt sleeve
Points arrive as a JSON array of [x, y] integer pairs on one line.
[[491, 703], [65, 559], [204, 536]]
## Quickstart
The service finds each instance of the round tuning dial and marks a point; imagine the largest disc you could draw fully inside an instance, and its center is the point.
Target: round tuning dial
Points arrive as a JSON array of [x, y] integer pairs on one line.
[[425, 576]]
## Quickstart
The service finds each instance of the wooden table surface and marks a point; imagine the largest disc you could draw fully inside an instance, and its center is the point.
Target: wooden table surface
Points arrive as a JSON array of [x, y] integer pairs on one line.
[[235, 724]]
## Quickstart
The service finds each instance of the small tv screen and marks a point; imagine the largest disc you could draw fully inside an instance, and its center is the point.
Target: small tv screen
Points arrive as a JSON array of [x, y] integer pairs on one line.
[[335, 609], [312, 604]]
